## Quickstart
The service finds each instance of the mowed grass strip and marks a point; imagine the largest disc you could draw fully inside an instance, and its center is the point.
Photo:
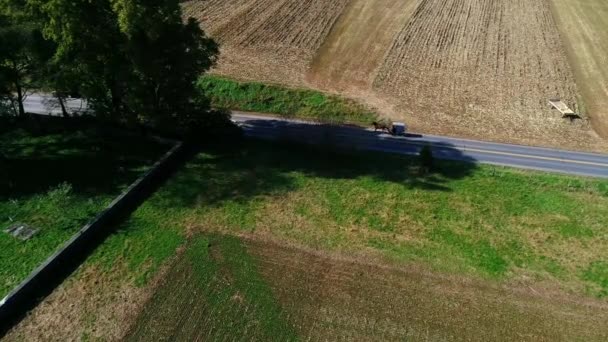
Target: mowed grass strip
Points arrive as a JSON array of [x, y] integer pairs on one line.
[[213, 292], [56, 179], [287, 102]]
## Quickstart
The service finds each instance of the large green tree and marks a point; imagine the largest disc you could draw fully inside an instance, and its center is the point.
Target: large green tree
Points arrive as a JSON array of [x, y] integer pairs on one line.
[[90, 56], [135, 60], [23, 51], [167, 56]]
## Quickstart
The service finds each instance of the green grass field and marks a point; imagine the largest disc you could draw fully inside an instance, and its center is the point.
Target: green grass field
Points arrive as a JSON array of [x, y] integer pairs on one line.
[[288, 102], [483, 222], [56, 180], [492, 222], [493, 226], [487, 221]]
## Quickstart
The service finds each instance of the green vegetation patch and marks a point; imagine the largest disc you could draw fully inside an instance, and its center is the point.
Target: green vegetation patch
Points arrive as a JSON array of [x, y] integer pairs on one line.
[[485, 221], [213, 292], [597, 273], [489, 221], [288, 102], [56, 179]]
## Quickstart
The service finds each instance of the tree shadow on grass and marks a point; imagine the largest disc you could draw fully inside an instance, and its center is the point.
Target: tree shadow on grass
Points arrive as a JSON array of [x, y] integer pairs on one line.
[[94, 161], [267, 168]]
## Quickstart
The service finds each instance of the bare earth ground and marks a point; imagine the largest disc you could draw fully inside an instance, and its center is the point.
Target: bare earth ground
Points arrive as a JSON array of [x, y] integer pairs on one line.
[[330, 297], [471, 68], [584, 28], [93, 304], [90, 305]]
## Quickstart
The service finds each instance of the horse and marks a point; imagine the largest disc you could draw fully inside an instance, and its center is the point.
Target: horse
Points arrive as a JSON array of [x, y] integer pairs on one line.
[[384, 126]]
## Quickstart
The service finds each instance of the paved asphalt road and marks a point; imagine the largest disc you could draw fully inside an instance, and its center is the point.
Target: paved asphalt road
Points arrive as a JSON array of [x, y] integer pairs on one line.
[[273, 128]]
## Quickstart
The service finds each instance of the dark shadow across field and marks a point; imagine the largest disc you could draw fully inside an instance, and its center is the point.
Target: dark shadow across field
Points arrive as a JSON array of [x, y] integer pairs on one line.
[[258, 168], [56, 175], [37, 156]]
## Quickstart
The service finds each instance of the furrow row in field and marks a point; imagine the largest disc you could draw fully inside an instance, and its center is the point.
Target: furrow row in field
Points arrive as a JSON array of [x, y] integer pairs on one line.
[[267, 40], [214, 13], [299, 24], [491, 53], [484, 66], [285, 24]]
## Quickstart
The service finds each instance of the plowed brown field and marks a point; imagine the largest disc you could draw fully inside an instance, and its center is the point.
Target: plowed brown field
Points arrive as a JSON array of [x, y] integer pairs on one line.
[[474, 68], [269, 40], [358, 43], [482, 66]]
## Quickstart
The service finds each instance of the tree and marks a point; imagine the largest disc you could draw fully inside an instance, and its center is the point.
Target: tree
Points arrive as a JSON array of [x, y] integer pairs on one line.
[[15, 63], [134, 60], [5, 99], [90, 56], [23, 50], [167, 56]]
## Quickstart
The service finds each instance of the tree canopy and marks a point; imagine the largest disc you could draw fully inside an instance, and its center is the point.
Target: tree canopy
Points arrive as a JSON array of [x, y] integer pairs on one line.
[[134, 60], [22, 50]]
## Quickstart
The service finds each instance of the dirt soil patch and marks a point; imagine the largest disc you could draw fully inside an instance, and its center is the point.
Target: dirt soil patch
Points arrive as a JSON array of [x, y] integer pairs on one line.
[[91, 305]]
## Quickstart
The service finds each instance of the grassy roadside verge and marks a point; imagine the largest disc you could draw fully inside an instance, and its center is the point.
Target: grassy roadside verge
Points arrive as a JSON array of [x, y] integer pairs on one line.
[[56, 179], [288, 102]]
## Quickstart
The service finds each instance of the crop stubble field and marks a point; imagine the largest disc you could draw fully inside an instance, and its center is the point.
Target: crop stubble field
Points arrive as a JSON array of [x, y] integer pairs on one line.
[[267, 40], [489, 66], [472, 68]]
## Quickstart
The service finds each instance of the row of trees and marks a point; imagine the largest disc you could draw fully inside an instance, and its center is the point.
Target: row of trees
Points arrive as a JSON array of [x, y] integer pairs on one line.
[[134, 60]]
